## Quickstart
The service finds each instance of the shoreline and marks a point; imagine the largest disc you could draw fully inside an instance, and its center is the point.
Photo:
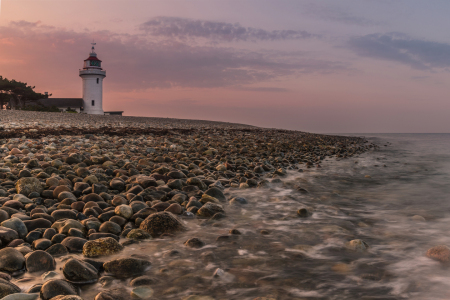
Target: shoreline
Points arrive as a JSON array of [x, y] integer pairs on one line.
[[113, 201]]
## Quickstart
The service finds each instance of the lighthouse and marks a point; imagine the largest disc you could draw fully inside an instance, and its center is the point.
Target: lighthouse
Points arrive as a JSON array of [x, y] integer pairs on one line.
[[92, 75]]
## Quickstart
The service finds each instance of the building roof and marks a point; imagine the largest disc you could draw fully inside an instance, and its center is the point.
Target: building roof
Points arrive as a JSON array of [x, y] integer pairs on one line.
[[62, 102], [92, 58]]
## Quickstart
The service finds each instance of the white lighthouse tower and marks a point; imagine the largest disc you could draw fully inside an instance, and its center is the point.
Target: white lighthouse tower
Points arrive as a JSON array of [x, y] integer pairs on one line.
[[92, 75]]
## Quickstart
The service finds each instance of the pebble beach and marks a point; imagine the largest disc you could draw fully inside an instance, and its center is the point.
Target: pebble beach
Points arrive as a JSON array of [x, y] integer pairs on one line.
[[107, 207]]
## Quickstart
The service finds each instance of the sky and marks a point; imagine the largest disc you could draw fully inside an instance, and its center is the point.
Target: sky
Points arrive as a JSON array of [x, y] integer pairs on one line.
[[321, 66]]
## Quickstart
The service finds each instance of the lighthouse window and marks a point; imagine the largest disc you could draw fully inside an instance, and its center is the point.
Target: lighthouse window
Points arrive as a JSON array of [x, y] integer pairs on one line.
[[93, 102], [97, 80]]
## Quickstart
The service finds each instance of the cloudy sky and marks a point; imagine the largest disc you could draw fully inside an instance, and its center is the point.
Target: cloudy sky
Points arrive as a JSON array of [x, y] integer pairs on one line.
[[319, 66]]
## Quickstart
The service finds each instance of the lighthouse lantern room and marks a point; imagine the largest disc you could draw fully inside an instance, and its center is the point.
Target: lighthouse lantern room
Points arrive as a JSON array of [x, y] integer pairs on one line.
[[92, 75]]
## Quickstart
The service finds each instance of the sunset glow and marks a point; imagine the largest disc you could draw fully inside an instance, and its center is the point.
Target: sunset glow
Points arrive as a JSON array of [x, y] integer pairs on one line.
[[304, 65]]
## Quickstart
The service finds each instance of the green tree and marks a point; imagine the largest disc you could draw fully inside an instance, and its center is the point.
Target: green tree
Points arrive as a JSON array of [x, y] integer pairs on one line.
[[16, 95]]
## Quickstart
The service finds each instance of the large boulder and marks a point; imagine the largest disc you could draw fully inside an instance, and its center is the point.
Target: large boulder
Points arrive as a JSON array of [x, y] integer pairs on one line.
[[102, 246], [27, 185], [160, 223]]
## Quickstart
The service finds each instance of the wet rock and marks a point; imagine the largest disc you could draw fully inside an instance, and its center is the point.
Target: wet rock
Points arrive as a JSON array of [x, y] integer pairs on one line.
[[63, 226], [57, 287], [100, 247], [69, 297], [238, 201], [206, 198], [17, 225], [110, 227], [209, 209], [174, 208], [11, 260], [142, 280], [79, 272], [303, 213], [126, 267], [161, 223], [57, 250], [194, 243], [142, 292], [7, 288], [41, 244], [138, 234], [74, 244], [440, 253], [216, 193], [7, 235], [21, 296], [98, 235], [60, 214], [39, 261], [124, 211], [37, 223], [27, 185], [114, 294], [357, 245]]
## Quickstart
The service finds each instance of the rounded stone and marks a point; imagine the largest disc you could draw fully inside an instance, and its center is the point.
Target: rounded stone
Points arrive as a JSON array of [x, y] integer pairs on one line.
[[42, 244], [102, 246], [160, 223], [60, 214], [142, 280], [303, 213], [114, 294], [194, 243], [21, 296], [142, 292], [357, 245], [175, 208], [79, 272], [57, 287], [17, 225], [216, 193], [7, 288], [440, 253], [138, 234], [124, 211], [37, 223], [210, 209], [39, 261], [238, 201], [7, 235], [68, 297], [59, 189], [57, 250], [110, 227], [126, 267], [27, 185], [11, 260], [74, 244]]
